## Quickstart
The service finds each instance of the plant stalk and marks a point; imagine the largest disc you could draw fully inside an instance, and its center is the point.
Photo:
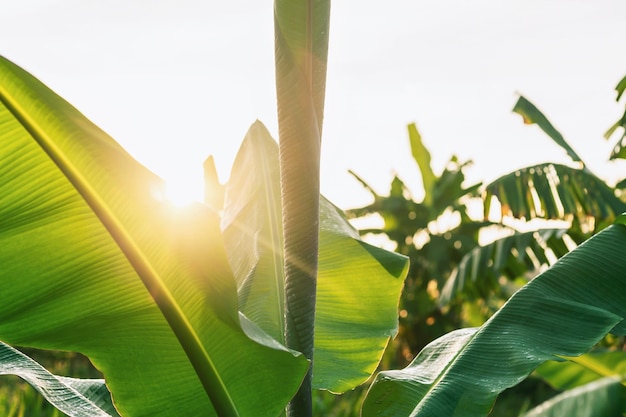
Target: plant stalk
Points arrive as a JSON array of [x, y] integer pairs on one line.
[[301, 49]]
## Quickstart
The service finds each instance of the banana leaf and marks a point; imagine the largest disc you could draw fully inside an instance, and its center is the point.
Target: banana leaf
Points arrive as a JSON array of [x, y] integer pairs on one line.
[[604, 397], [421, 156], [532, 115], [94, 260], [521, 255], [74, 397], [563, 312], [358, 285], [574, 372], [552, 191]]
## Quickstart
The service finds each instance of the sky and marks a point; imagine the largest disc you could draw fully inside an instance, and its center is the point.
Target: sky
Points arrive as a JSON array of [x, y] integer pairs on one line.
[[175, 81]]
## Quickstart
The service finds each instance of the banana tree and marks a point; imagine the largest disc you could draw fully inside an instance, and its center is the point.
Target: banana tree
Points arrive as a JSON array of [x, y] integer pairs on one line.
[[434, 251], [558, 316], [548, 191], [556, 193], [180, 308]]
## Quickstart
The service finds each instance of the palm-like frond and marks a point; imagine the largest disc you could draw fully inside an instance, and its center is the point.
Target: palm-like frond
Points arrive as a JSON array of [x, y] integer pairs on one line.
[[521, 255], [554, 192]]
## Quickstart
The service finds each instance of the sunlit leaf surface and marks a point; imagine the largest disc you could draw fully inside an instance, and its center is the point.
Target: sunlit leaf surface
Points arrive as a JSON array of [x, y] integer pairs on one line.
[[358, 285], [80, 223]]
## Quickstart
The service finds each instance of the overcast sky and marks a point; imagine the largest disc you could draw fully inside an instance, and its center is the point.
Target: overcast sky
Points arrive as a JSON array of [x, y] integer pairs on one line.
[[176, 80]]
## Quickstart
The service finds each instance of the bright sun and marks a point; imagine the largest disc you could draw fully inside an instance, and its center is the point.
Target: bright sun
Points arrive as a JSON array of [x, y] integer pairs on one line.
[[182, 191]]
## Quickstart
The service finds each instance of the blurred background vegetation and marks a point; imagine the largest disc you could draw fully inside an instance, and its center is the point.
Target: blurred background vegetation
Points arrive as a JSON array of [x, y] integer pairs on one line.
[[471, 247]]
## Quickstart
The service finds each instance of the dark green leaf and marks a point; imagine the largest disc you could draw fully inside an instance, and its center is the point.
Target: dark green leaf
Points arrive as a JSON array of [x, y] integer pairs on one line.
[[560, 191], [532, 115], [514, 256], [563, 312]]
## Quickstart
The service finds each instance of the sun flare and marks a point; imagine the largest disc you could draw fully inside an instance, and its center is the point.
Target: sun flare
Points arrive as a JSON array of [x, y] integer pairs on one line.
[[182, 192]]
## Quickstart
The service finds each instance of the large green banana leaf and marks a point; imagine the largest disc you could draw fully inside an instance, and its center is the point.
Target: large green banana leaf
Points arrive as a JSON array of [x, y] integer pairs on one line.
[[74, 397], [93, 260], [603, 397], [520, 255], [358, 285], [563, 312]]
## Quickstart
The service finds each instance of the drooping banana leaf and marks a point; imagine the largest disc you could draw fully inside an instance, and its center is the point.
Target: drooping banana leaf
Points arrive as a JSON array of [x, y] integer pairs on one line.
[[358, 285], [532, 115], [604, 397], [552, 191], [520, 255], [74, 397], [574, 372], [562, 312], [93, 260]]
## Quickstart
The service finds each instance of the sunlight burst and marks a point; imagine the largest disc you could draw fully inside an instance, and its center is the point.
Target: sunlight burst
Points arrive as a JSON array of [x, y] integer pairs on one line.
[[182, 191]]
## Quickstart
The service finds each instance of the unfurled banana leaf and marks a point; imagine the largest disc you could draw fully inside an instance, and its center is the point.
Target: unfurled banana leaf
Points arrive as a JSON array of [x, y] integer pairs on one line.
[[562, 312], [604, 397], [552, 191], [520, 255], [358, 285], [74, 397], [93, 260]]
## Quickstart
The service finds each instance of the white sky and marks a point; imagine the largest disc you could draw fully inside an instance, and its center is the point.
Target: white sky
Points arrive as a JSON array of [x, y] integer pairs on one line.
[[176, 80]]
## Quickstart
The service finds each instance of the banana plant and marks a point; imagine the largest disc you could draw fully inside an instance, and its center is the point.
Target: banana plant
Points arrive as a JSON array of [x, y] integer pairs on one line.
[[442, 371], [96, 260], [548, 191], [562, 313]]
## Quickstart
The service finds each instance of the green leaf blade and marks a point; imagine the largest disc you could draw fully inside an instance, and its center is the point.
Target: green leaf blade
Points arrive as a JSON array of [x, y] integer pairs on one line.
[[583, 369], [253, 232], [74, 397], [604, 397], [540, 321], [421, 155], [532, 115], [358, 285], [72, 285]]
